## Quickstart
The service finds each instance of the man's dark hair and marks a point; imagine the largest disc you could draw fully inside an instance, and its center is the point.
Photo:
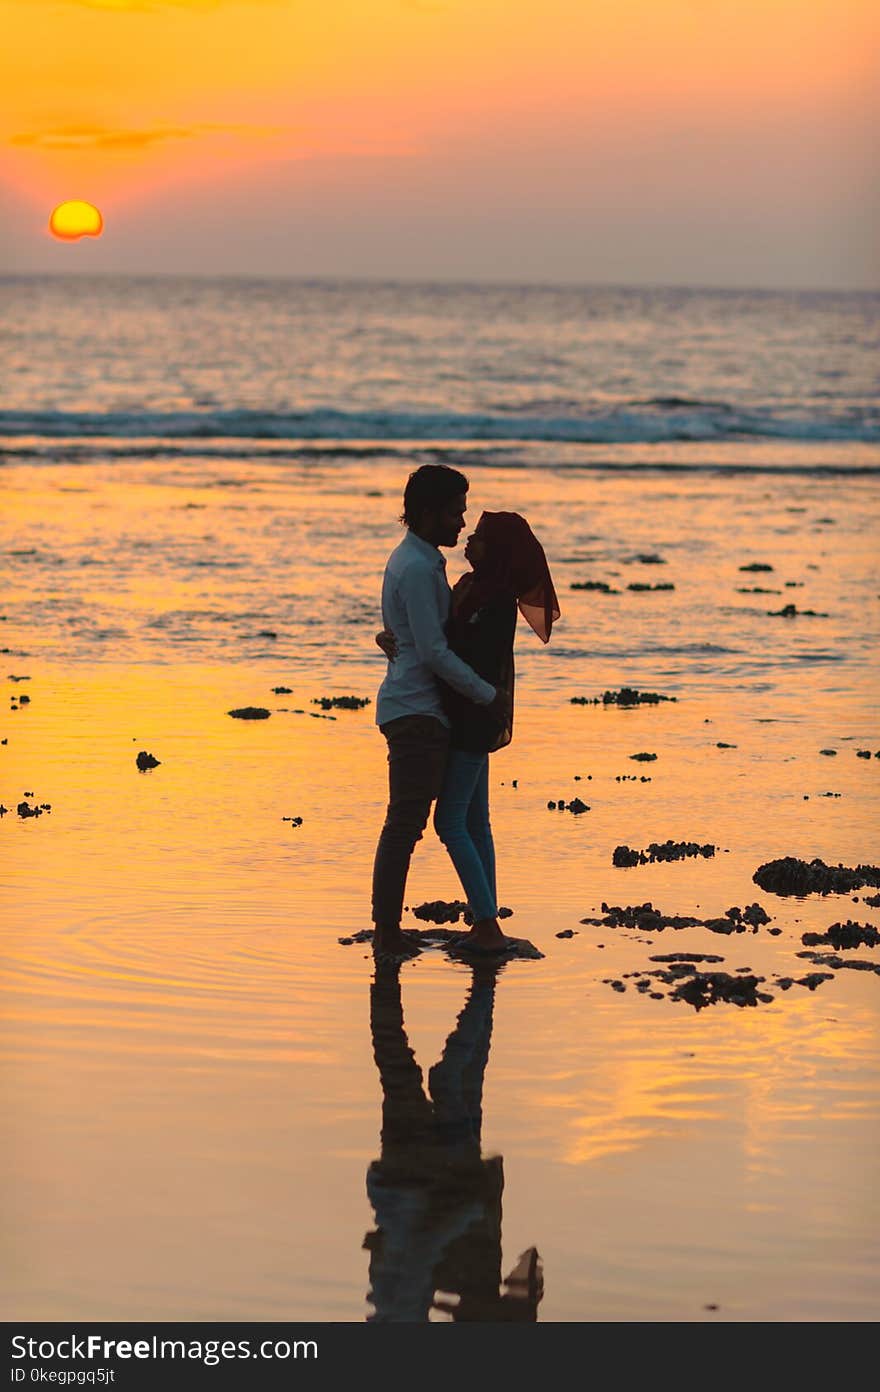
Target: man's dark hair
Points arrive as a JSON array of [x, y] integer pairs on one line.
[[430, 487]]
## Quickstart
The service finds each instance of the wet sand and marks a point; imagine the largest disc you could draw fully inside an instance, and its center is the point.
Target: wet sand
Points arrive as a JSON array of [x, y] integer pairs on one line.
[[193, 1103]]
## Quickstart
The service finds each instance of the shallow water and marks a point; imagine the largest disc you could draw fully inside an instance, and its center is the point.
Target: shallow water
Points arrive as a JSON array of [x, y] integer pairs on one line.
[[192, 1100], [145, 361]]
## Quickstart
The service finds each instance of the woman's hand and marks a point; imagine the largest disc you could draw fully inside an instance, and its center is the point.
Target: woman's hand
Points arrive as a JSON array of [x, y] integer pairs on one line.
[[388, 643]]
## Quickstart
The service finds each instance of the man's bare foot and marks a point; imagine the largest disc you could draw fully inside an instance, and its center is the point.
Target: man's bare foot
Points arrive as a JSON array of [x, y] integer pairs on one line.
[[393, 944]]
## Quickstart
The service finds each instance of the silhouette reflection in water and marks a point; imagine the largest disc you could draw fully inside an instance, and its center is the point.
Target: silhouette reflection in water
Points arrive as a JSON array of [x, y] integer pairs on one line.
[[437, 1241]]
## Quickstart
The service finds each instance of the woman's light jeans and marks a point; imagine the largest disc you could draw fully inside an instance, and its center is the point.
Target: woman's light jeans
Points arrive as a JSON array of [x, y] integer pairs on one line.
[[461, 820]]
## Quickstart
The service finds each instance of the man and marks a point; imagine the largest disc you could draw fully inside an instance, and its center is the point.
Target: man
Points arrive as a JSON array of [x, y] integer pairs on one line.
[[409, 712]]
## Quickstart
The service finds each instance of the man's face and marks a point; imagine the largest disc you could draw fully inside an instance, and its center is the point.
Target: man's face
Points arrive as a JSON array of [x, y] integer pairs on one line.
[[446, 524]]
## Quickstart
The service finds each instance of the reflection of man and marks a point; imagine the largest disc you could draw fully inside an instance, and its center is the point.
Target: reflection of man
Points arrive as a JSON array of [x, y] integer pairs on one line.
[[437, 1202], [409, 712]]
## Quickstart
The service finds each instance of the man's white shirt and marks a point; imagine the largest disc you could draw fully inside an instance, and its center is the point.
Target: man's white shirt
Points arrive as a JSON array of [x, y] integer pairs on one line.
[[415, 605]]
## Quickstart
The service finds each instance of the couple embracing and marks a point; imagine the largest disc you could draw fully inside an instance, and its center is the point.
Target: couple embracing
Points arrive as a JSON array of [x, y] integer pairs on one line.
[[447, 699]]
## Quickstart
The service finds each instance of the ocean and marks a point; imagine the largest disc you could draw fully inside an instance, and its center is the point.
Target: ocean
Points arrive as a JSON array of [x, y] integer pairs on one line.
[[200, 481], [97, 368]]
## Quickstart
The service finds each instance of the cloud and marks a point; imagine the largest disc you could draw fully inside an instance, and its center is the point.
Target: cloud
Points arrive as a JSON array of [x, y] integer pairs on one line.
[[155, 6], [132, 138], [288, 142], [122, 5]]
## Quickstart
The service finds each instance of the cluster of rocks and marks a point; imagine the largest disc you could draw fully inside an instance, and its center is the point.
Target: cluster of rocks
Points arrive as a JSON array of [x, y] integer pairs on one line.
[[866, 753], [811, 980], [625, 856], [700, 989], [829, 959], [643, 916], [844, 935], [295, 821], [601, 586], [643, 758], [641, 587], [24, 808], [441, 911], [146, 761], [737, 920], [449, 911], [695, 987], [452, 941], [341, 702], [632, 778], [790, 876], [791, 611], [685, 957], [261, 713], [626, 696], [756, 566], [650, 920], [576, 806]]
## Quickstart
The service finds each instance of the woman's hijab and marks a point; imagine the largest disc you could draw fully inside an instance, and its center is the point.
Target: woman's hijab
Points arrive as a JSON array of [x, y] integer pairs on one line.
[[514, 563]]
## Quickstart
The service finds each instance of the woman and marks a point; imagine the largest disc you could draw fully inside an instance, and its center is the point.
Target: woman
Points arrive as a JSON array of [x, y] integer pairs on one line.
[[509, 573]]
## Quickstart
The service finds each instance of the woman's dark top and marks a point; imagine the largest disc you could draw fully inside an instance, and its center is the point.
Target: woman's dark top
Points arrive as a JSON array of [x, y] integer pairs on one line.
[[484, 642]]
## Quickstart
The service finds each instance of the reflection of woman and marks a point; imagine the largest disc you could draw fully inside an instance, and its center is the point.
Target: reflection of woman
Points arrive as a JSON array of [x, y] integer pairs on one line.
[[437, 1201], [509, 571]]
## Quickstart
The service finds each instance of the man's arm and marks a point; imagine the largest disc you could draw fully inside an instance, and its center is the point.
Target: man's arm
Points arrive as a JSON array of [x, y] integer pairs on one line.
[[419, 593]]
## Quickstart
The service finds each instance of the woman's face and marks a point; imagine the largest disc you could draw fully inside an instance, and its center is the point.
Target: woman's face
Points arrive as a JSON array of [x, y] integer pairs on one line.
[[475, 548]]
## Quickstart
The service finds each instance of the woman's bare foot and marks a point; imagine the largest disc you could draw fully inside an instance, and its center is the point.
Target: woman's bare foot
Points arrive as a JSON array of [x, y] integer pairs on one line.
[[485, 935]]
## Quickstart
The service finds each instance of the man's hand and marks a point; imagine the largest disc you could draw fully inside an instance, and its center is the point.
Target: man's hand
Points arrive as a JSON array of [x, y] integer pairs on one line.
[[500, 705], [388, 643]]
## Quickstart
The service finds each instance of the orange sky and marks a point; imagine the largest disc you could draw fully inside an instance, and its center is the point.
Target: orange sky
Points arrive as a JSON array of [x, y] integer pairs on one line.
[[176, 115]]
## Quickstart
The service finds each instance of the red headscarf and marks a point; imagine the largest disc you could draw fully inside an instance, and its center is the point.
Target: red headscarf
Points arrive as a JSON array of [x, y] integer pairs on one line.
[[514, 564]]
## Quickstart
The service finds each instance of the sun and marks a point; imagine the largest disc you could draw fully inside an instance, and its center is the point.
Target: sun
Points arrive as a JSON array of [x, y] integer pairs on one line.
[[75, 219]]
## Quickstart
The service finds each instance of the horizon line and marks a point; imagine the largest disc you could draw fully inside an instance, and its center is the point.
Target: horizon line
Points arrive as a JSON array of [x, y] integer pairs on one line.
[[446, 282]]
